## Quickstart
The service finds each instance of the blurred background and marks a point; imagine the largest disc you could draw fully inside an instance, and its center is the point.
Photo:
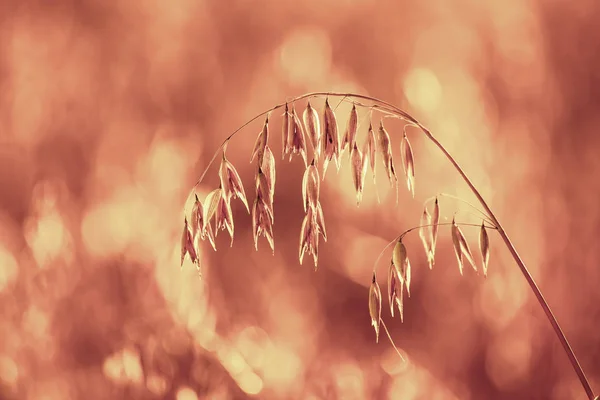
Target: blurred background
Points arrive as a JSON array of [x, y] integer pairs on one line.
[[109, 112]]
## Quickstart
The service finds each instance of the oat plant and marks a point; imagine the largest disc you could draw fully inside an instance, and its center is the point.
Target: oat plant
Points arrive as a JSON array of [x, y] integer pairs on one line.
[[316, 136]]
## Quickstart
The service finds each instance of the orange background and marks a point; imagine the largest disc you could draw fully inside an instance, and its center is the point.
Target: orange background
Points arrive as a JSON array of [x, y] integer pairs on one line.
[[109, 112]]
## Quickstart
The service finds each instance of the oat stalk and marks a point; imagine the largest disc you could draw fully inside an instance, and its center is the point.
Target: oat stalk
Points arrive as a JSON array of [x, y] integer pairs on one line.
[[389, 110]]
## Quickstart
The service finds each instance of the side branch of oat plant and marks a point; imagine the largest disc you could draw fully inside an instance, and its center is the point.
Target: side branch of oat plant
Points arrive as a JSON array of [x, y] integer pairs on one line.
[[393, 111], [511, 248]]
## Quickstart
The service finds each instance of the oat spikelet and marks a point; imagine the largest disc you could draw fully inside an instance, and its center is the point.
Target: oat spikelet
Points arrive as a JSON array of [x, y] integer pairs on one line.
[[370, 148], [268, 168], [425, 233], [309, 237], [484, 247], [263, 191], [187, 245], [351, 128], [393, 287], [375, 306], [224, 217], [435, 221], [321, 221], [331, 141], [262, 223], [408, 163], [261, 142], [231, 183], [286, 132], [461, 247], [386, 153], [313, 128], [402, 264], [210, 206], [297, 143], [197, 217], [359, 170], [311, 186]]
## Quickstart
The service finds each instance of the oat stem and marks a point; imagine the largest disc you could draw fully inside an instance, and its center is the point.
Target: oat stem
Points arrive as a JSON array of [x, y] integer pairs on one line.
[[391, 340], [390, 109]]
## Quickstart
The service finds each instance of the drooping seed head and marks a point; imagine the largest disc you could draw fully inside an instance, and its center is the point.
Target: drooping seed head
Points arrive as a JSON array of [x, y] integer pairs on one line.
[[262, 223], [210, 206], [268, 168], [484, 247], [309, 237], [320, 220], [370, 149], [435, 221], [297, 143], [231, 183], [311, 186], [399, 257], [461, 247], [426, 235], [394, 289], [263, 191], [386, 153], [375, 306], [196, 220], [187, 245], [224, 217], [351, 128], [331, 141], [408, 163], [359, 170], [286, 132], [313, 128], [261, 142]]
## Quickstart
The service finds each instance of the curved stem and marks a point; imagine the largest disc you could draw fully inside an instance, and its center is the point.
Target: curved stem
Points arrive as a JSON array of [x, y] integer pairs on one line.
[[511, 248]]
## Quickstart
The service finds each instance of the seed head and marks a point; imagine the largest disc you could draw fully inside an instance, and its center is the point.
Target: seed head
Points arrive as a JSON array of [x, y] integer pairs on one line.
[[224, 217], [426, 235], [375, 306], [369, 149], [286, 132], [310, 186], [231, 183], [408, 164], [313, 128], [262, 223], [395, 291], [297, 143], [331, 141], [350, 135], [461, 247], [187, 245], [211, 203], [263, 191], [386, 152], [359, 170], [309, 237], [268, 168], [321, 221], [435, 220], [484, 247], [261, 142], [402, 264]]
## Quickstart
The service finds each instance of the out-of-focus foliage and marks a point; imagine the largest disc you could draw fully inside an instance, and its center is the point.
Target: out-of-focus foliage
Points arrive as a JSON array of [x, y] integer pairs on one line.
[[109, 111]]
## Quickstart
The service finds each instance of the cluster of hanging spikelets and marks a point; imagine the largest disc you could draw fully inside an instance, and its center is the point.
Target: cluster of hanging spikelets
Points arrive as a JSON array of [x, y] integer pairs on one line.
[[215, 214]]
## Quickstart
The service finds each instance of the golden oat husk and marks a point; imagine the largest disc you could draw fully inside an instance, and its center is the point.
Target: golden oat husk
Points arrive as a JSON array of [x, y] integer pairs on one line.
[[351, 128], [285, 132], [210, 205], [375, 306], [261, 142], [359, 170], [408, 164], [425, 233], [484, 247], [435, 221], [231, 183], [313, 128], [331, 141], [311, 186], [320, 219], [297, 143]]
